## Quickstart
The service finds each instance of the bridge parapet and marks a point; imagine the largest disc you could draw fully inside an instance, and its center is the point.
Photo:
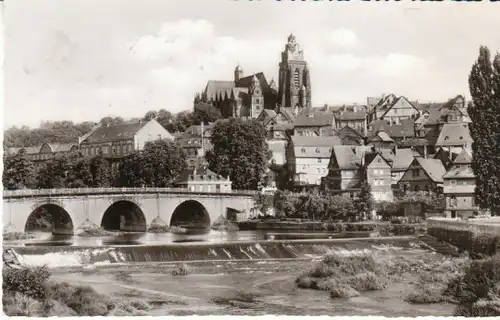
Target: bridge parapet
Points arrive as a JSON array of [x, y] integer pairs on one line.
[[24, 193]]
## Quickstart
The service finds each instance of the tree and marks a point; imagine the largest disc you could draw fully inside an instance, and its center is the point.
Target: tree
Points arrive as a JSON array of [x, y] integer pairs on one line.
[[364, 203], [53, 173], [239, 151], [19, 172], [339, 207], [79, 175], [150, 115], [162, 162], [100, 171], [166, 119], [263, 202], [484, 111], [157, 165], [206, 113], [285, 203]]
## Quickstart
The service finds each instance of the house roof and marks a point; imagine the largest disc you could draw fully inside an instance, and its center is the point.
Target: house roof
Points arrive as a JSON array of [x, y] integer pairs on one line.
[[454, 134], [402, 159], [433, 167], [464, 157], [195, 130], [314, 119], [403, 130], [347, 131], [381, 136], [281, 126], [351, 116], [62, 147], [349, 157], [308, 141], [115, 132], [28, 150], [202, 173], [413, 142]]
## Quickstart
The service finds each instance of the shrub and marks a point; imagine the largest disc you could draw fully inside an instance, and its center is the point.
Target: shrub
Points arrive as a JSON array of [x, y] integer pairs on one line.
[[181, 270], [425, 295], [343, 291], [366, 282], [28, 281], [16, 304], [83, 299]]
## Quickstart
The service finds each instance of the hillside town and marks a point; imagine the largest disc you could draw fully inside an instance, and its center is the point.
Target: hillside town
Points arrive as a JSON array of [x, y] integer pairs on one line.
[[394, 143]]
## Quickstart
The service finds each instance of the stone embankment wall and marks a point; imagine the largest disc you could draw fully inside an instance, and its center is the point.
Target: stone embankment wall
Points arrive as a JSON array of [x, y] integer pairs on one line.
[[477, 238]]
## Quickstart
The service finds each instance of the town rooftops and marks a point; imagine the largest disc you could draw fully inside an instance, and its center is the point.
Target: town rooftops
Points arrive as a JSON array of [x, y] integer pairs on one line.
[[454, 134], [314, 119], [308, 141], [351, 116], [114, 132], [461, 166], [433, 167], [403, 130], [403, 159], [202, 173], [349, 157]]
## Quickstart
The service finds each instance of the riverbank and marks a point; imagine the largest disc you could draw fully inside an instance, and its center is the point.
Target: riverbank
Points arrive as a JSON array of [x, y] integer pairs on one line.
[[253, 288]]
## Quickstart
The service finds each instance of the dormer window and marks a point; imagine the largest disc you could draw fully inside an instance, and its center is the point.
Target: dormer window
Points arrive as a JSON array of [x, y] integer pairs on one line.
[[303, 150], [446, 138], [317, 150]]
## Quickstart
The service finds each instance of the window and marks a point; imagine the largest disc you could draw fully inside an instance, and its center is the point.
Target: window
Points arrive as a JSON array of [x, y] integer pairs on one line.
[[446, 138], [415, 172], [317, 150], [453, 182], [296, 78], [319, 160], [303, 150], [257, 100]]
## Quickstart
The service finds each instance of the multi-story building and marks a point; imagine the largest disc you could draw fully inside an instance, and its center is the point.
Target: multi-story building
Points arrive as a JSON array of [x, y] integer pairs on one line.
[[356, 120], [308, 158], [194, 143], [116, 141], [349, 136], [43, 152], [378, 176], [202, 179], [402, 160], [423, 175], [316, 124], [345, 169], [459, 185], [393, 110]]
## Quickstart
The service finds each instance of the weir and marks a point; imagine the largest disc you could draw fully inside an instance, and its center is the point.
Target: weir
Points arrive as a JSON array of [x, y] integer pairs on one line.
[[55, 257]]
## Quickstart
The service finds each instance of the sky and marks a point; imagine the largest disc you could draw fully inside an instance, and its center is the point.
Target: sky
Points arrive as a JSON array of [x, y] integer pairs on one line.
[[84, 60]]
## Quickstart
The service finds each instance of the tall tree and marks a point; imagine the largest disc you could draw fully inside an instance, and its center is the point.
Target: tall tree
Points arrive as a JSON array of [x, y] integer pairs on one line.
[[79, 175], [19, 172], [157, 165], [100, 171], [484, 111], [364, 203], [206, 113], [54, 172], [239, 151]]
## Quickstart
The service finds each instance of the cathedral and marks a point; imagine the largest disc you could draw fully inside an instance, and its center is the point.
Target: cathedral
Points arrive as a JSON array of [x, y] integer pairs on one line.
[[248, 96]]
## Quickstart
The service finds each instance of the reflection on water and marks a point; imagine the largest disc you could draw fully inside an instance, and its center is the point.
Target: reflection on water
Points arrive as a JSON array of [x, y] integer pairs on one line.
[[48, 239], [136, 238]]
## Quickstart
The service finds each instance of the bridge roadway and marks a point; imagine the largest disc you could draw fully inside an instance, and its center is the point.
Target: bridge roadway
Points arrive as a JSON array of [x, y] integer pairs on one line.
[[126, 209]]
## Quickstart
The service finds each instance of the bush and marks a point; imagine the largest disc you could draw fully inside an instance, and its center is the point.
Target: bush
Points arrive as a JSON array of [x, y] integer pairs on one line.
[[16, 304], [83, 299], [181, 270], [27, 281], [344, 276]]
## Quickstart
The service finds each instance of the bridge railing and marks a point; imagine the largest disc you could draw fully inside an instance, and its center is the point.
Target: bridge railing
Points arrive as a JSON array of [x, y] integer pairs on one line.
[[79, 191]]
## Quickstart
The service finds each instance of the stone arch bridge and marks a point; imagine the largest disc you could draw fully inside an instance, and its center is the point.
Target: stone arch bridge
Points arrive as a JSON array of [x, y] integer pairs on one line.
[[124, 209]]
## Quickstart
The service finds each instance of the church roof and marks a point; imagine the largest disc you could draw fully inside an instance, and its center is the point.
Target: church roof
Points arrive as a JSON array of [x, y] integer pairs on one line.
[[214, 87], [246, 82]]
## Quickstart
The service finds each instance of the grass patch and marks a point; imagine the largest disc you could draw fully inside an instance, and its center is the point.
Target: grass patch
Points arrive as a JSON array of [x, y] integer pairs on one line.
[[344, 276], [240, 299]]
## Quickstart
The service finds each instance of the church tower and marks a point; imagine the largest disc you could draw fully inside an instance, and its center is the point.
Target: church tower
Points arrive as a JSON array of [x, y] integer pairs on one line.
[[238, 73], [256, 98], [294, 79]]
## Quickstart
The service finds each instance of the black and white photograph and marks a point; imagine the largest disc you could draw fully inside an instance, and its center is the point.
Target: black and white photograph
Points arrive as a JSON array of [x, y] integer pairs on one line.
[[250, 158]]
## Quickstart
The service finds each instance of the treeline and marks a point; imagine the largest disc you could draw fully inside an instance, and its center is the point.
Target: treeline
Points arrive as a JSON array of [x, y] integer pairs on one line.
[[334, 207], [239, 152], [157, 165], [68, 131]]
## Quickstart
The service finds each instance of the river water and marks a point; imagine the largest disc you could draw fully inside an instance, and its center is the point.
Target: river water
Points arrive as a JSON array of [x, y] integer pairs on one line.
[[47, 239]]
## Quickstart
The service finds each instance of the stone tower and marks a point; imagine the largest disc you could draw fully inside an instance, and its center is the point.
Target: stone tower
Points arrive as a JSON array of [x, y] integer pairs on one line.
[[294, 79], [238, 73], [256, 98]]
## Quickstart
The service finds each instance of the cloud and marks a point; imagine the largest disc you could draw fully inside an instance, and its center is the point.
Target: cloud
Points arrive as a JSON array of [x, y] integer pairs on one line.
[[342, 38]]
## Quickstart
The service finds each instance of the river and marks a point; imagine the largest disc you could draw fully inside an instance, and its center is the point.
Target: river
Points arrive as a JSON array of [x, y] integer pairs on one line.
[[47, 239]]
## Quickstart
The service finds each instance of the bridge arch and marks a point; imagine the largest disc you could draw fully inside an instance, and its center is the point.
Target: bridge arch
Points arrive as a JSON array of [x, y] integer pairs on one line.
[[192, 215], [124, 215], [49, 217]]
